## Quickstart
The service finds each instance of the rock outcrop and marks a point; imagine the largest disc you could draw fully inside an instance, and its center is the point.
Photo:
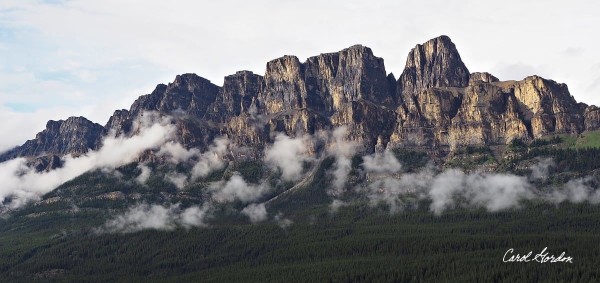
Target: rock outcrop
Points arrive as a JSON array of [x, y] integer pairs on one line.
[[237, 96], [435, 104], [435, 63], [76, 135], [548, 107], [482, 77], [188, 94], [592, 118]]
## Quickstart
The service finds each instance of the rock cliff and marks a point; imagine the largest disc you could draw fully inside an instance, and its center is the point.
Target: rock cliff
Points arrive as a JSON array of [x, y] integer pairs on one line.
[[436, 104], [75, 135]]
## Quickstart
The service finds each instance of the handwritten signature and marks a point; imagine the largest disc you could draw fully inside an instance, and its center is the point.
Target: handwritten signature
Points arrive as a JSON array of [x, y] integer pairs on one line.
[[542, 257]]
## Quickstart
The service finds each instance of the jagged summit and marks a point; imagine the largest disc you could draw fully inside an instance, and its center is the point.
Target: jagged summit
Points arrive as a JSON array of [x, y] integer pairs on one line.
[[482, 77], [435, 104], [75, 135], [435, 63]]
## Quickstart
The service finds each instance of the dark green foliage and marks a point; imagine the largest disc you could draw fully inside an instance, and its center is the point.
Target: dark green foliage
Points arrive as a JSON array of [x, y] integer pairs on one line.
[[473, 150], [313, 194], [546, 141], [579, 160], [357, 244], [411, 160], [252, 171], [517, 145], [575, 160], [470, 157]]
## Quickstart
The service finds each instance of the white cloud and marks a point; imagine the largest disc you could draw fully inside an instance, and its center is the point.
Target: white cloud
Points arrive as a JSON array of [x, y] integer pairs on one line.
[[178, 179], [236, 188], [575, 191], [541, 169], [176, 152], [492, 191], [282, 221], [195, 216], [384, 162], [342, 149], [212, 159], [336, 204], [207, 162], [398, 192], [158, 217], [288, 154], [256, 212], [143, 217], [452, 188], [144, 175]]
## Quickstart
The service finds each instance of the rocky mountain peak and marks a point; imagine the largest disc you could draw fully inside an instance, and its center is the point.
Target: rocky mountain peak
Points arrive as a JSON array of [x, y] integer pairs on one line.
[[189, 93], [359, 52], [435, 63], [75, 135], [284, 86], [189, 81], [236, 96], [482, 77], [118, 123]]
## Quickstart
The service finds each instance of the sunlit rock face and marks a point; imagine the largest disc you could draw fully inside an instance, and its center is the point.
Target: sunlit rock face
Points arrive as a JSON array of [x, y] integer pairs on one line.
[[592, 118], [548, 106]]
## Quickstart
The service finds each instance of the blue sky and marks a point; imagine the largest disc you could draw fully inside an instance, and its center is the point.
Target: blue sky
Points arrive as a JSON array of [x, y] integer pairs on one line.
[[90, 57]]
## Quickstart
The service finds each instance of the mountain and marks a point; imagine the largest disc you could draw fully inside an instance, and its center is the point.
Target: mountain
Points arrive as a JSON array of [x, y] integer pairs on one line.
[[436, 104], [429, 176]]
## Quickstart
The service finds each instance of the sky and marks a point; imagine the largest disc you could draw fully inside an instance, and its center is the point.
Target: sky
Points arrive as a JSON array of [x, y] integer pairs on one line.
[[61, 58]]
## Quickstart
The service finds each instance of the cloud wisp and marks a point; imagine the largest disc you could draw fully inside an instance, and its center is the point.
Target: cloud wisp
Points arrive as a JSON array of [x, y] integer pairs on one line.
[[384, 162], [343, 150], [23, 184], [236, 189], [144, 174], [204, 162], [288, 155], [255, 212], [144, 216]]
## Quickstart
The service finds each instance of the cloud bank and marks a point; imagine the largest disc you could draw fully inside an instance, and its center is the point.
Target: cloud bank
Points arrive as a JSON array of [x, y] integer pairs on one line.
[[454, 188]]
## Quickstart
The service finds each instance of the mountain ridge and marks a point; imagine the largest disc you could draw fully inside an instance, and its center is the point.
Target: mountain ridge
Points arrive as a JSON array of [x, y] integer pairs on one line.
[[435, 104]]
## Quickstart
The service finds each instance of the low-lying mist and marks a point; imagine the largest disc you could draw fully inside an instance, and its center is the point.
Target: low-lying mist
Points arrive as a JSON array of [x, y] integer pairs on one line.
[[288, 159]]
